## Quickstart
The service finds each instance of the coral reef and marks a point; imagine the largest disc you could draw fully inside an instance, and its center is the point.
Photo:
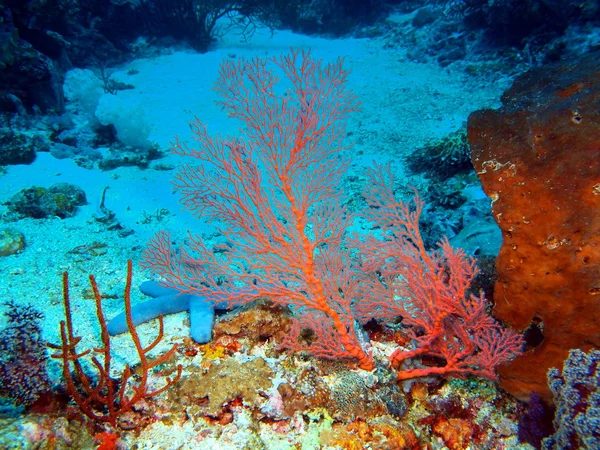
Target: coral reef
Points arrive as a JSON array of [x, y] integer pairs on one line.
[[442, 158], [59, 200], [12, 241], [23, 358], [242, 391], [253, 386], [576, 390]]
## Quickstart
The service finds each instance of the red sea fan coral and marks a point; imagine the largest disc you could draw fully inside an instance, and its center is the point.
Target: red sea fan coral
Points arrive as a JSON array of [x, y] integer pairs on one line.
[[429, 290], [276, 197]]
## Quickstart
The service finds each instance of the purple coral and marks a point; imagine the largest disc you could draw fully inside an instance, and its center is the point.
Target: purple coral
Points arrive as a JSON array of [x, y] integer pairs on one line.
[[577, 397], [23, 374]]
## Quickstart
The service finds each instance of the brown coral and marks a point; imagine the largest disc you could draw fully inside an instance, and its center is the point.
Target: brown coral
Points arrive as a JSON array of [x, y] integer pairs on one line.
[[224, 383]]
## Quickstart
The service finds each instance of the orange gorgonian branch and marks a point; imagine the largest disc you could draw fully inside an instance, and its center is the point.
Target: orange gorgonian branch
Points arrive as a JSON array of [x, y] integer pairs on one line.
[[100, 397]]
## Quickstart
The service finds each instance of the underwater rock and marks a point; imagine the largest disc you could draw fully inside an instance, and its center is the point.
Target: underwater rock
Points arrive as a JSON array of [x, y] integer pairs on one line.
[[26, 74], [59, 200], [425, 16], [140, 157], [17, 147], [479, 237], [443, 158], [223, 383], [538, 158], [12, 241]]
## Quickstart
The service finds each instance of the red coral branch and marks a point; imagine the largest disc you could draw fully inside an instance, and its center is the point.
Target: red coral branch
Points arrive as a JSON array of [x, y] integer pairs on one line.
[[429, 290], [275, 195], [100, 397]]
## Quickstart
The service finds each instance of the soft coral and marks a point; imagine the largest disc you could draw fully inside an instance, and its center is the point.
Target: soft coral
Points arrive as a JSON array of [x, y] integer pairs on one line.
[[276, 197], [429, 290]]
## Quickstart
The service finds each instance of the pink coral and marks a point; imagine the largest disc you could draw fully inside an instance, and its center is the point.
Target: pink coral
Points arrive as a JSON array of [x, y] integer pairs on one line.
[[429, 290], [275, 193], [276, 196]]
